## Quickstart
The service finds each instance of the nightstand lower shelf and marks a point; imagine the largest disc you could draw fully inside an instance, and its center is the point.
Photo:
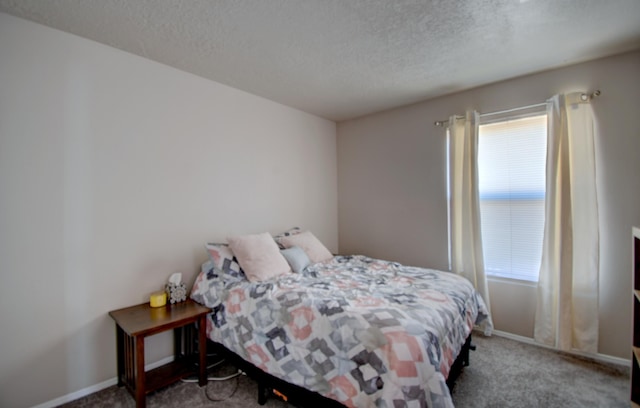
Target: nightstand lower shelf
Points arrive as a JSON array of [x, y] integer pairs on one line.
[[169, 373]]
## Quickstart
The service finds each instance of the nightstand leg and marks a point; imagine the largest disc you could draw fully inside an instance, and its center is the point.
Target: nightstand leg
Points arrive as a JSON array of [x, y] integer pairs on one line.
[[140, 375], [120, 354], [202, 348], [177, 342]]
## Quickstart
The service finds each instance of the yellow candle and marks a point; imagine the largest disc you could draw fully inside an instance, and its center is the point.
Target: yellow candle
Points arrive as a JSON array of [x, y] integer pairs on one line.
[[158, 299]]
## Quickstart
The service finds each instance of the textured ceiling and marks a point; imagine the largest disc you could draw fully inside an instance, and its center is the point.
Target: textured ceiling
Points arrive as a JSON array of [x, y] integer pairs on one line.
[[341, 59]]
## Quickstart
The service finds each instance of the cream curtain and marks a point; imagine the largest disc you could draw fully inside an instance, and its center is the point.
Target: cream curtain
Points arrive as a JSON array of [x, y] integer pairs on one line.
[[567, 306], [464, 212]]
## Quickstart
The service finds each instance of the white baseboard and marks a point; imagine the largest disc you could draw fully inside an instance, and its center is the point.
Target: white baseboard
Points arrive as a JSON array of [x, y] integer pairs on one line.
[[598, 357], [96, 387]]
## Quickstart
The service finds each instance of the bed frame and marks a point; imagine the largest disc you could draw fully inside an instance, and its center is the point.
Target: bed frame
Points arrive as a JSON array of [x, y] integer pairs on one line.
[[270, 386], [461, 361]]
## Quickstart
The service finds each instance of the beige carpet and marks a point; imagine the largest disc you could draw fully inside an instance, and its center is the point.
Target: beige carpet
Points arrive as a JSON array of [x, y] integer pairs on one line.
[[506, 373], [503, 373]]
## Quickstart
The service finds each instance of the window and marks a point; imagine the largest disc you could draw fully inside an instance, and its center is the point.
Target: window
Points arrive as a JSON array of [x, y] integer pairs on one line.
[[511, 176]]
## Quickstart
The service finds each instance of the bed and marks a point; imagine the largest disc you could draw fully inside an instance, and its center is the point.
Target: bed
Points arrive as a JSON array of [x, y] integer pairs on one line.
[[356, 330]]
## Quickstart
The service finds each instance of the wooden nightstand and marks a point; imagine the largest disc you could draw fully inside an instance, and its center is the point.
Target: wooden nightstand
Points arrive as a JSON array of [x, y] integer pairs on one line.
[[135, 323]]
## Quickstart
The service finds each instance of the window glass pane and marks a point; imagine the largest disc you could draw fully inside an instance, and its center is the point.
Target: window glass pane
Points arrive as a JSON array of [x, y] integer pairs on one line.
[[511, 165]]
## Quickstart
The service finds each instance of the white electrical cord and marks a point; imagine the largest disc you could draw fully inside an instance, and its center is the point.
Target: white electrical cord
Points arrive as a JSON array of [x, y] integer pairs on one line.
[[225, 378], [217, 363], [236, 375], [228, 377]]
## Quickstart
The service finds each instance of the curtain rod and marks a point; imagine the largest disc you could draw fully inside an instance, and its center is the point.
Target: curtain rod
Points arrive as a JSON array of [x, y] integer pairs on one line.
[[584, 97]]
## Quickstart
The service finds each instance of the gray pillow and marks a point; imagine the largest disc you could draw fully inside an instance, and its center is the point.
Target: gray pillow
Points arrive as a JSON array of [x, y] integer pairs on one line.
[[297, 258]]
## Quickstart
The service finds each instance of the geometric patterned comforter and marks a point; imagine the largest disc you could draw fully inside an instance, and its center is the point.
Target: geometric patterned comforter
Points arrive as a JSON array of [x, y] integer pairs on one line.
[[362, 331]]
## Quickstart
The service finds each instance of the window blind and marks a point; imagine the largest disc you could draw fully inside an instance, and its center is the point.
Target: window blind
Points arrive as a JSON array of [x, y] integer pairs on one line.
[[511, 176]]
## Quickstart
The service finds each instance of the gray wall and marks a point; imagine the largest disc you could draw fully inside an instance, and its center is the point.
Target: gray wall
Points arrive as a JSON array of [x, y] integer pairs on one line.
[[392, 193], [114, 172]]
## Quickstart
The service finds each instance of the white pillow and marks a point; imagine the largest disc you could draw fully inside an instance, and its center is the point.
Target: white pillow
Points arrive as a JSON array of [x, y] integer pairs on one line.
[[259, 256], [310, 244]]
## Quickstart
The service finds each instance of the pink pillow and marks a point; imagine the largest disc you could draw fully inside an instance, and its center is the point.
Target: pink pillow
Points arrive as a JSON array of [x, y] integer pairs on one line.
[[259, 256], [310, 244]]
